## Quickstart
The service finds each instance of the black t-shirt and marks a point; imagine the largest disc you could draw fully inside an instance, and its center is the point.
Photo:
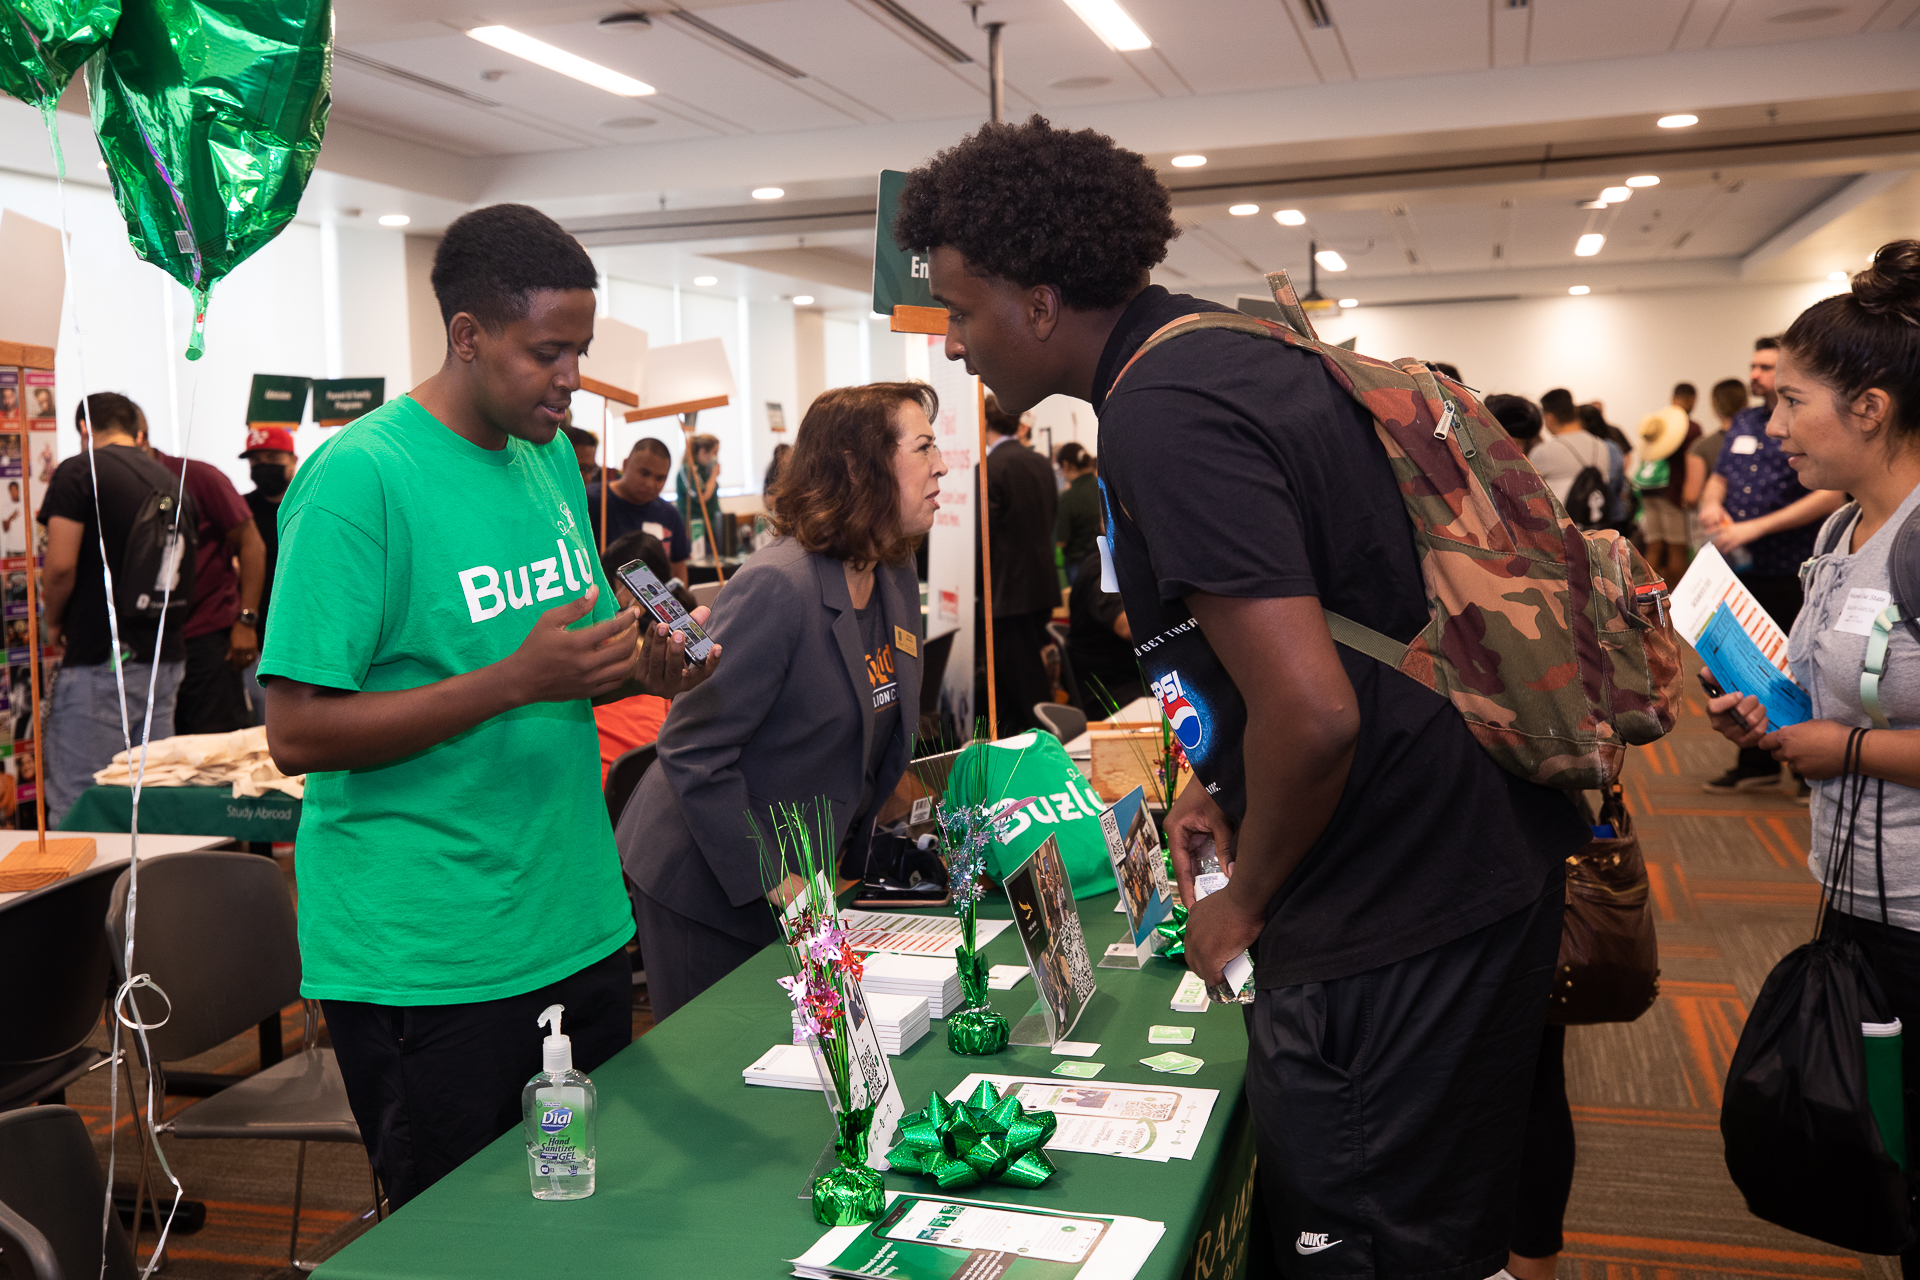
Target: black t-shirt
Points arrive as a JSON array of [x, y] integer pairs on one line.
[[1096, 649], [266, 518], [1236, 466], [876, 643], [127, 477]]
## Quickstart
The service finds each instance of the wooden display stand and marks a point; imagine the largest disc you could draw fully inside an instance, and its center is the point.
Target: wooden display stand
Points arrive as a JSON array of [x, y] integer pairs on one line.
[[681, 381]]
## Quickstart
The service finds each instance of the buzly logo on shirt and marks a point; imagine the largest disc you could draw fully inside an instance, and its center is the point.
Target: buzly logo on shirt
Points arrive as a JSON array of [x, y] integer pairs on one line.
[[1186, 722], [1077, 801], [540, 580]]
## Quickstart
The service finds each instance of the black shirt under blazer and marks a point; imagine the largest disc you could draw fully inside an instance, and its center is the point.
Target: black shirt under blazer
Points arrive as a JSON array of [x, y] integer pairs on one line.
[[785, 718]]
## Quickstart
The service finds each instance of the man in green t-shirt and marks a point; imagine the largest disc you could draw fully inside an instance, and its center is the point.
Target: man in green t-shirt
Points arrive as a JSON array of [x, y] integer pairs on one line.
[[425, 671]]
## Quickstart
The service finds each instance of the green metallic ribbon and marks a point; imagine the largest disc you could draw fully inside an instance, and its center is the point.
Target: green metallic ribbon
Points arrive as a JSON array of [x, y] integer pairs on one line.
[[1174, 930], [976, 1030], [852, 1192], [986, 1138]]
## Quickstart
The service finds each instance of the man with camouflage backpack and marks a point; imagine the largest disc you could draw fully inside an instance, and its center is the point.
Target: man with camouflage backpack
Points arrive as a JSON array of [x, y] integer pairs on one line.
[[1400, 889]]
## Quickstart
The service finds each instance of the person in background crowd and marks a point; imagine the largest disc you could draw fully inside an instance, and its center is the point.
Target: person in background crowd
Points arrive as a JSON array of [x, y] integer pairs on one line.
[[1442, 366], [1402, 890], [633, 722], [1574, 462], [1847, 384], [1685, 397], [1728, 397], [271, 461], [423, 664], [1078, 522], [1099, 641], [819, 695], [1668, 465], [1519, 415], [634, 504], [586, 447], [698, 486], [1022, 509], [1764, 521], [772, 479], [223, 629], [1622, 461], [82, 719]]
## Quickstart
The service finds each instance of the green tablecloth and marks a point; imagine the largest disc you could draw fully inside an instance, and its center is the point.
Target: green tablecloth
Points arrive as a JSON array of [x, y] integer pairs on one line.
[[699, 1174], [187, 811]]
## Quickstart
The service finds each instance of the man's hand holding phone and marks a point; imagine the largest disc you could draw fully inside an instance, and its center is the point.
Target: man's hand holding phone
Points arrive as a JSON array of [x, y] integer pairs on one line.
[[663, 669]]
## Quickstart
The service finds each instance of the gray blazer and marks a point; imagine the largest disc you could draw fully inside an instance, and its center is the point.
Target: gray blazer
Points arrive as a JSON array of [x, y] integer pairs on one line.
[[786, 717]]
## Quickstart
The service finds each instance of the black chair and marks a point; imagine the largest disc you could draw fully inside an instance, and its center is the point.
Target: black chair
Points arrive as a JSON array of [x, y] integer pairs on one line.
[[1064, 723], [216, 933], [51, 1194], [53, 934], [1057, 632], [625, 775]]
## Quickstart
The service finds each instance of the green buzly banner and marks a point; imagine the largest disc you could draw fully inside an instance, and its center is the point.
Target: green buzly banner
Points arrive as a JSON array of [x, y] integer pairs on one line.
[[901, 277], [338, 401], [278, 399]]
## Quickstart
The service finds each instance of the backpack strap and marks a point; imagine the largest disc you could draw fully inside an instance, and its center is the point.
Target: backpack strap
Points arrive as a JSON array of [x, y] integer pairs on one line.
[[1903, 572], [1376, 645], [1192, 324], [1836, 528]]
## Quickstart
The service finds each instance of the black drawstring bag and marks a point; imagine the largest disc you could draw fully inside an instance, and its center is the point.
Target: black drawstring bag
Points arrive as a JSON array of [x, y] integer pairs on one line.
[[1802, 1142]]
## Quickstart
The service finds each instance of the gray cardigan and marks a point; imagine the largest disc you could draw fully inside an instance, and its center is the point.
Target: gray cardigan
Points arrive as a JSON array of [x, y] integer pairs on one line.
[[784, 719]]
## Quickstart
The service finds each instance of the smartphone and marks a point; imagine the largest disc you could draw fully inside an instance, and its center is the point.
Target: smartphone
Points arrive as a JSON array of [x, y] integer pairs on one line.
[[659, 602], [1712, 686]]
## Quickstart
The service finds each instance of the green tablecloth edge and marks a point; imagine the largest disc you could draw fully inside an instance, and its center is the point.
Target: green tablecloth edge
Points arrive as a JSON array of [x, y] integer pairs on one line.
[[185, 811]]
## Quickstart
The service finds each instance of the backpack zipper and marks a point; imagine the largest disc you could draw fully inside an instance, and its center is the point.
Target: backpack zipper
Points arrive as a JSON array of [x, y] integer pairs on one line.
[[1445, 429]]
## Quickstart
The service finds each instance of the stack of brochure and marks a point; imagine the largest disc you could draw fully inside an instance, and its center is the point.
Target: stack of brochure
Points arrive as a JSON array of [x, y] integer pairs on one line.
[[933, 978], [900, 1020], [785, 1066]]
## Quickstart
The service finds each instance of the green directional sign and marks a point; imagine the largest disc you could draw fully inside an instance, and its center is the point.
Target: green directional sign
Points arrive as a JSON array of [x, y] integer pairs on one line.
[[277, 400], [338, 401], [901, 277]]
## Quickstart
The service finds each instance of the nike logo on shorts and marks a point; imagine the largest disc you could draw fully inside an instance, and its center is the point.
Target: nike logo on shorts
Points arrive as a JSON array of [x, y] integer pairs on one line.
[[1313, 1242]]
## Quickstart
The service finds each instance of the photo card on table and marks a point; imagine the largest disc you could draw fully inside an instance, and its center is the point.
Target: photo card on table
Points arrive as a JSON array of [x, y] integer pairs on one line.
[[1049, 926], [1133, 846]]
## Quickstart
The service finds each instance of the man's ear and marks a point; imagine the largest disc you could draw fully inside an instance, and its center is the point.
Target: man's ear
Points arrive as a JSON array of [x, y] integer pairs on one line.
[[1043, 307], [463, 337]]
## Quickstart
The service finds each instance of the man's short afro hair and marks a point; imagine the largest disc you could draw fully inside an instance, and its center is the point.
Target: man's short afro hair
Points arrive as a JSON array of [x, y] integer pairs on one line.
[[1038, 205], [490, 260]]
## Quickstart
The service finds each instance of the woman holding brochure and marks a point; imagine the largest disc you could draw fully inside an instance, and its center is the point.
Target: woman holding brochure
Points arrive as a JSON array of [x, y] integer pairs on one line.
[[1848, 418], [824, 696]]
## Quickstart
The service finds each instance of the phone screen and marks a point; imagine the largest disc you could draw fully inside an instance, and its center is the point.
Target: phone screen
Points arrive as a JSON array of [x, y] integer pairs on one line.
[[660, 602]]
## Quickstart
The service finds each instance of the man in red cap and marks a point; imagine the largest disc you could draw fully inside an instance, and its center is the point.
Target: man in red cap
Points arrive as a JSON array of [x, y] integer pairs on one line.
[[270, 451]]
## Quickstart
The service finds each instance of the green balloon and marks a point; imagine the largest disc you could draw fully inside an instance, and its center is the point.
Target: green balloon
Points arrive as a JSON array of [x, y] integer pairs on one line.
[[43, 42], [210, 114]]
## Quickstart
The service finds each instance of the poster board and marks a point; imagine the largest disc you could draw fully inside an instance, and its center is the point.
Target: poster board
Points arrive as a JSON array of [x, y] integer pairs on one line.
[[27, 460], [902, 278], [615, 365], [36, 281], [953, 545], [1133, 847], [685, 378], [338, 401], [277, 400], [1049, 924]]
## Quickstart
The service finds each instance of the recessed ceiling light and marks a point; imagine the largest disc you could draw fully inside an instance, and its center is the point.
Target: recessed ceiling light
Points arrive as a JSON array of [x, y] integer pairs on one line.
[[1579, 291], [1593, 204], [1080, 82], [1188, 162], [1644, 180], [1331, 260], [1290, 217], [1349, 302], [768, 193], [1617, 195], [1680, 121], [1588, 245], [1838, 277], [394, 219], [1243, 210], [705, 282], [1111, 23], [802, 299], [542, 54]]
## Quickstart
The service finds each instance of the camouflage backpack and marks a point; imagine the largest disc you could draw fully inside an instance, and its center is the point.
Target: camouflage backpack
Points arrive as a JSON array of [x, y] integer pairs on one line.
[[1553, 643]]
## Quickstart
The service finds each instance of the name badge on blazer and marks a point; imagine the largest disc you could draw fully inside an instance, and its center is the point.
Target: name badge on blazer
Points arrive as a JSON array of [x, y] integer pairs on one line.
[[906, 642]]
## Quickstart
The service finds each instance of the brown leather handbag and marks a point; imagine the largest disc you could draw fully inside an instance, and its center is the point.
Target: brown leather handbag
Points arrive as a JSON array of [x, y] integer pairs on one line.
[[1609, 967]]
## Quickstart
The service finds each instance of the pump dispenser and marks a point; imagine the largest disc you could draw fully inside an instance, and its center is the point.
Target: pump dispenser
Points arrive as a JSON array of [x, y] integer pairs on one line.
[[559, 1108]]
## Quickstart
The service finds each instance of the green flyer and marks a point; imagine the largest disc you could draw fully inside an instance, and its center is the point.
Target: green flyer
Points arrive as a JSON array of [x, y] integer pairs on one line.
[[941, 1238]]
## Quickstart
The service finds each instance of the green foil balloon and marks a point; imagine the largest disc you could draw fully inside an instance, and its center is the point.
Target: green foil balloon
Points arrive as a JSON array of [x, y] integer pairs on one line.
[[210, 114], [43, 42]]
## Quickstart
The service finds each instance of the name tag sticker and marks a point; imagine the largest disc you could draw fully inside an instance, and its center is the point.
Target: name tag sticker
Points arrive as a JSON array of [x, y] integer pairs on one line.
[[1863, 606], [1745, 444], [905, 641]]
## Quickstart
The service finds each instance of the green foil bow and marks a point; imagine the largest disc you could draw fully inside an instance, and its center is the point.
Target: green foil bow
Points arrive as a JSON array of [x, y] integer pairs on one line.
[[210, 114], [851, 1193], [976, 1030], [1174, 930], [987, 1138], [43, 42]]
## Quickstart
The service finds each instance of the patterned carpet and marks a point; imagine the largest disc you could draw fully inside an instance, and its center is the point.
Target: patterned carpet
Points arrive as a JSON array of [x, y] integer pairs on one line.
[[1651, 1197]]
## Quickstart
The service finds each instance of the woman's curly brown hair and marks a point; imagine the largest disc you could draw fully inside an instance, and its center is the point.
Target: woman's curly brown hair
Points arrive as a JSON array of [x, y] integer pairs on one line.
[[836, 494], [1038, 205]]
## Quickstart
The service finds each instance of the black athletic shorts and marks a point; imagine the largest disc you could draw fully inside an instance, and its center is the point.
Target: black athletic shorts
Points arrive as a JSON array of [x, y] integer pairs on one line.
[[1389, 1107]]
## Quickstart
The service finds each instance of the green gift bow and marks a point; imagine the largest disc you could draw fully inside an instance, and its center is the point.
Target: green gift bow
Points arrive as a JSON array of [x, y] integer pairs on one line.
[[986, 1138], [1174, 930]]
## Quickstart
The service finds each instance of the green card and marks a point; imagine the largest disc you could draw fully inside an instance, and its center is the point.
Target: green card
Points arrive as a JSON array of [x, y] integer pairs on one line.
[[1079, 1070], [1169, 1035], [901, 277], [277, 399], [1184, 1064]]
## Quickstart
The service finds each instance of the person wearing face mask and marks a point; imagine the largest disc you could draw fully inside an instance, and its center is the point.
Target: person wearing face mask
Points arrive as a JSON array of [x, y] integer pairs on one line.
[[271, 461]]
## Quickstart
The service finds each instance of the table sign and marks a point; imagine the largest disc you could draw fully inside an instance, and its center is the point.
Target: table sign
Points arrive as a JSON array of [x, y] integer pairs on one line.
[[1049, 927], [1133, 846]]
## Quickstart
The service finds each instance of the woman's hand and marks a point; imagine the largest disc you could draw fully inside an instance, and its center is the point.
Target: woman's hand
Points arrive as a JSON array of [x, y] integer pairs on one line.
[[1737, 533], [1739, 718], [1814, 749]]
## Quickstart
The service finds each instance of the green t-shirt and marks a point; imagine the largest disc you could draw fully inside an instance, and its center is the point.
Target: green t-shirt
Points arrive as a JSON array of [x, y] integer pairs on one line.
[[1065, 806], [482, 867]]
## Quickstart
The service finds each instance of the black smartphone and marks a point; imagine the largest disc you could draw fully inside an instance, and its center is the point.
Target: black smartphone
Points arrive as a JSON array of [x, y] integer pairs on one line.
[[1712, 686], [660, 602]]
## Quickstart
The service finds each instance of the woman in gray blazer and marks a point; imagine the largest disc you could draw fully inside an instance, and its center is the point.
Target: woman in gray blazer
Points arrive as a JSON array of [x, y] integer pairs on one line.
[[818, 696]]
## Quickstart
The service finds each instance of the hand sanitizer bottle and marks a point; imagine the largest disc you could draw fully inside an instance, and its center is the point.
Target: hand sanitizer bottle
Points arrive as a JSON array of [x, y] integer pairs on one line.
[[559, 1109], [1210, 877]]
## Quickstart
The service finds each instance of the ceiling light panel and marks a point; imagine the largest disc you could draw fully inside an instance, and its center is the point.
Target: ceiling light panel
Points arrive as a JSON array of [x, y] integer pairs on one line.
[[1243, 210], [1290, 218], [1579, 291], [1589, 244], [1330, 260], [1680, 121], [1617, 195], [553, 58], [1112, 24], [1644, 180], [1188, 162]]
